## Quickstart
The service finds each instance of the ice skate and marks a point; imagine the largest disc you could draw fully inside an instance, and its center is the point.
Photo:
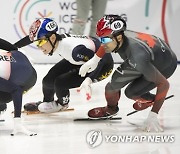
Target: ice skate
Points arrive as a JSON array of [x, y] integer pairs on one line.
[[103, 112], [142, 104], [19, 128], [50, 107], [32, 107]]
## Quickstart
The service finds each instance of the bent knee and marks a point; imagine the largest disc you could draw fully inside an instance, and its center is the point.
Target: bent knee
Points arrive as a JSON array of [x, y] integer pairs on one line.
[[111, 88], [47, 82], [129, 94]]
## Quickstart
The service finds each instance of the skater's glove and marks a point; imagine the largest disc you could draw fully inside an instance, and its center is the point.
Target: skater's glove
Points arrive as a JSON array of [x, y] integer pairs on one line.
[[152, 123], [89, 66], [19, 128], [86, 85]]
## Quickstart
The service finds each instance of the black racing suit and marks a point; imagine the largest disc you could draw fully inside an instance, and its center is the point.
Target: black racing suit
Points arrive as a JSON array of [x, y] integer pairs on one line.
[[17, 76], [65, 75]]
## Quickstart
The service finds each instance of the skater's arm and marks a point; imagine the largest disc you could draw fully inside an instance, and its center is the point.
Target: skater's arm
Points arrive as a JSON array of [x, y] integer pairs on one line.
[[5, 45], [15, 92], [23, 42], [104, 64], [152, 74], [92, 63]]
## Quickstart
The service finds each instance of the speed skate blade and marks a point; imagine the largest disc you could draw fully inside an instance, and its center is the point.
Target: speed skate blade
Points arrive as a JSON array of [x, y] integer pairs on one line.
[[99, 119], [38, 112]]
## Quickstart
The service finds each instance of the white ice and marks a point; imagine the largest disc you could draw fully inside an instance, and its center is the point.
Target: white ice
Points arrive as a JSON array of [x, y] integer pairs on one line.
[[58, 133]]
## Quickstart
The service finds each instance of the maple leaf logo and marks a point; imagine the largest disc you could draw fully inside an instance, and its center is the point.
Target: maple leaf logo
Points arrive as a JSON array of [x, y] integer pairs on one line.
[[148, 38]]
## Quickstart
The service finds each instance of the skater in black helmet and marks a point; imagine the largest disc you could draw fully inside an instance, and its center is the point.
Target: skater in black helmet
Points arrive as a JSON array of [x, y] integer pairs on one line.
[[148, 63], [17, 76], [75, 51]]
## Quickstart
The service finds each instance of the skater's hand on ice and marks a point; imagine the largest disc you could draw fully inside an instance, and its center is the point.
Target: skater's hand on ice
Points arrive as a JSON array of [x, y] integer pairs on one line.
[[86, 85], [19, 128], [152, 123]]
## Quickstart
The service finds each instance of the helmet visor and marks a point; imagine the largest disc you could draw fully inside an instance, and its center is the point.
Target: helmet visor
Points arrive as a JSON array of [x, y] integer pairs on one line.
[[105, 40], [41, 42]]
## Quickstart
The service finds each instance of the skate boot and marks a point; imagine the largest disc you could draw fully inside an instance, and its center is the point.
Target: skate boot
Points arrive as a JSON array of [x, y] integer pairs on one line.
[[142, 104], [50, 107], [103, 112], [33, 106]]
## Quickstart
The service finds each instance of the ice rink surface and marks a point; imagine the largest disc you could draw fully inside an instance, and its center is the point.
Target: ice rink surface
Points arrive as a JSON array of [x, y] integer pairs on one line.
[[59, 134]]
